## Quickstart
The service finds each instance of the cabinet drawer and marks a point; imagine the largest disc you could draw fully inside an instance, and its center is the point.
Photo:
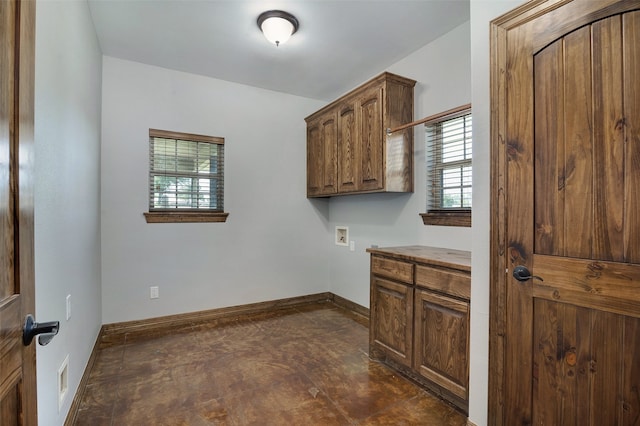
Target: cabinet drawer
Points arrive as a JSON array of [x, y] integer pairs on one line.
[[450, 282], [394, 269]]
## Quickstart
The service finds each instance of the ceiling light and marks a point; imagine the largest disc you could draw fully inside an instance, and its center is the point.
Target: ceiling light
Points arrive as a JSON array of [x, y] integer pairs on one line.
[[277, 26]]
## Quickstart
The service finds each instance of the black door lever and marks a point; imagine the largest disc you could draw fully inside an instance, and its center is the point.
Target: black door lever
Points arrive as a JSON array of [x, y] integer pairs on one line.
[[46, 330], [521, 273]]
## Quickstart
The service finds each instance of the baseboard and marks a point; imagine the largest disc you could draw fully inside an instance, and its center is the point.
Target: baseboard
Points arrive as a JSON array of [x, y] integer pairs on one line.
[[470, 423], [349, 305], [119, 333], [82, 386]]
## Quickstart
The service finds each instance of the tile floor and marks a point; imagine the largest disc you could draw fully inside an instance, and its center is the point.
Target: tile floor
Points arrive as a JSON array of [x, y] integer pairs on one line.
[[300, 366]]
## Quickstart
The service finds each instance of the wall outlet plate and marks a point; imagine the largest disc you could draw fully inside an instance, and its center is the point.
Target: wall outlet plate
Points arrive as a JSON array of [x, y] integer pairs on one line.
[[154, 292], [342, 236], [68, 300]]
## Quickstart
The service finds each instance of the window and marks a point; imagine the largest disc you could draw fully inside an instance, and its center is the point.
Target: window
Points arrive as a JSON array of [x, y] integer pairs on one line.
[[449, 180], [186, 177]]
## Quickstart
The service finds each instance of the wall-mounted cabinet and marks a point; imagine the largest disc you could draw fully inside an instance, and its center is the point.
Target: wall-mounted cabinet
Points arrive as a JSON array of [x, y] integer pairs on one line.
[[419, 318], [322, 134], [348, 151]]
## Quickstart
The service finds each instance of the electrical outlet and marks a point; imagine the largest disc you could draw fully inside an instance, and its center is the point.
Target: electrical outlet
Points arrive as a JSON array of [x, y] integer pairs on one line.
[[154, 292], [68, 307], [352, 246]]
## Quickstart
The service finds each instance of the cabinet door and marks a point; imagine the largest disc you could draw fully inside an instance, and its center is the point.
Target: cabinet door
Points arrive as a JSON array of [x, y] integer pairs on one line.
[[392, 315], [370, 152], [347, 157], [321, 155], [441, 341]]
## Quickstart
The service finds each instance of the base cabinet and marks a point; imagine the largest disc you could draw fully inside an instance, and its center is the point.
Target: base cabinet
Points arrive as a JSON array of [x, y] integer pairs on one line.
[[393, 307], [419, 321], [441, 341]]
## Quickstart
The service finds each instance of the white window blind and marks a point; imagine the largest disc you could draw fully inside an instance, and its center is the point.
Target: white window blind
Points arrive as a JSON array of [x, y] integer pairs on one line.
[[186, 172], [449, 157]]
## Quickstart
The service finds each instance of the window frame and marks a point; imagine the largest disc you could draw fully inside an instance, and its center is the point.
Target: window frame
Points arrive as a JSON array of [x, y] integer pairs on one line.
[[447, 216], [179, 215]]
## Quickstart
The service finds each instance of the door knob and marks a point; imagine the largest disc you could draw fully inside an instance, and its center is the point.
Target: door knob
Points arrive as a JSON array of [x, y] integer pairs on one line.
[[46, 330], [521, 273]]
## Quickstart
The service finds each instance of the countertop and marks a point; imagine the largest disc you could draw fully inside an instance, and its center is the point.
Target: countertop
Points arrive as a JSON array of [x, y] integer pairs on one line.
[[437, 256]]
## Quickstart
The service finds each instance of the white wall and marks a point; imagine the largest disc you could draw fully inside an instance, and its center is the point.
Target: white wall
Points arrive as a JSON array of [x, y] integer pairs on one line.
[[482, 12], [275, 241], [443, 82], [67, 194], [273, 244]]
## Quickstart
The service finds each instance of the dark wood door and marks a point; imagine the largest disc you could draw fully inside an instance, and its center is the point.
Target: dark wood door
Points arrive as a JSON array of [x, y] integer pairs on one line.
[[441, 350], [17, 362], [370, 150], [347, 148], [567, 125], [392, 331], [321, 155]]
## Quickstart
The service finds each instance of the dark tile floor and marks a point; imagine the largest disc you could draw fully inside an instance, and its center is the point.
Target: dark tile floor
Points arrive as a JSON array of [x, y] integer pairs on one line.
[[300, 366]]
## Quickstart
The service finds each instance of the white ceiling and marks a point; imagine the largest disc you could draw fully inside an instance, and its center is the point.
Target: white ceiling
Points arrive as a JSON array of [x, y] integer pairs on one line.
[[339, 45]]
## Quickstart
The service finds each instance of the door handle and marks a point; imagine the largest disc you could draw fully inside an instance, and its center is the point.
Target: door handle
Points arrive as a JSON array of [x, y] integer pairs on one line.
[[46, 330], [522, 274]]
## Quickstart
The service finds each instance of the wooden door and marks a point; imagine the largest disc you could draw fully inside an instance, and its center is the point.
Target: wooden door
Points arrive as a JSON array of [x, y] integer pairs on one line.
[[391, 301], [17, 362], [392, 330], [321, 155], [565, 347], [360, 143], [370, 150], [441, 350], [347, 147]]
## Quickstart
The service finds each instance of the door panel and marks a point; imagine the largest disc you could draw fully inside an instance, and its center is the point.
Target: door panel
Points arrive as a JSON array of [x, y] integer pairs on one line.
[[607, 286], [578, 161], [631, 102], [393, 306], [17, 362], [328, 131], [441, 346], [579, 200], [321, 155], [371, 140], [314, 159], [580, 357], [608, 130], [520, 216], [347, 165], [568, 113]]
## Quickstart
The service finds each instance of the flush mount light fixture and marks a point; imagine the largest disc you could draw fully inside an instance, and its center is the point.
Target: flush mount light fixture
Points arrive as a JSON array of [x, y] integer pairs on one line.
[[277, 26]]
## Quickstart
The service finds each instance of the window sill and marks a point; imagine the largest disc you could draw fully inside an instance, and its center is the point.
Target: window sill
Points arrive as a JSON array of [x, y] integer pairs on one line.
[[447, 218], [185, 217]]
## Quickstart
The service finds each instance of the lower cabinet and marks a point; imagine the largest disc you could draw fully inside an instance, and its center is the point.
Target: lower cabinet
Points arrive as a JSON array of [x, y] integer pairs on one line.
[[441, 344], [393, 307], [419, 316]]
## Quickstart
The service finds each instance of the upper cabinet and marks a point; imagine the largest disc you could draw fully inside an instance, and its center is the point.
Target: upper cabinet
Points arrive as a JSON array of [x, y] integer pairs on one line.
[[348, 151], [322, 134]]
